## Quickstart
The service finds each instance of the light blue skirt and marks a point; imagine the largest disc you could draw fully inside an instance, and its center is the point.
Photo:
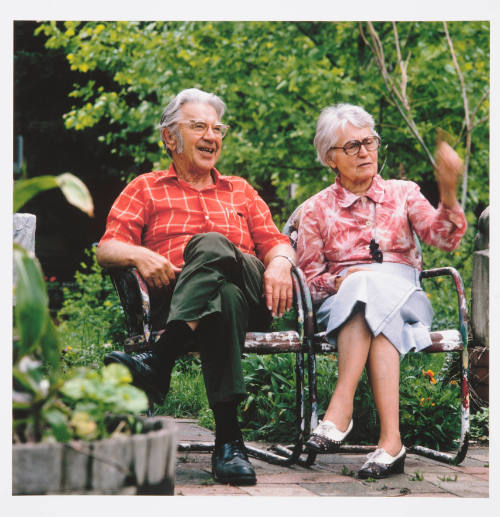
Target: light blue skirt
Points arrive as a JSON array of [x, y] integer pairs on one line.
[[392, 301]]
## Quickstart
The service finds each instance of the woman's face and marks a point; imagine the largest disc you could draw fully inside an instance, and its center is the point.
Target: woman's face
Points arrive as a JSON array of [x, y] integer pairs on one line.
[[355, 172]]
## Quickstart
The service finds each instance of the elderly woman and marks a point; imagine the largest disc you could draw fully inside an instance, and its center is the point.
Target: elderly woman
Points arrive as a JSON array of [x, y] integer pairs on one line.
[[357, 249]]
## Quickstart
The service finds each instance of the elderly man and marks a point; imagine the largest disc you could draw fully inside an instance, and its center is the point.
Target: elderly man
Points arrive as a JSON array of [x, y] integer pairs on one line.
[[215, 262]]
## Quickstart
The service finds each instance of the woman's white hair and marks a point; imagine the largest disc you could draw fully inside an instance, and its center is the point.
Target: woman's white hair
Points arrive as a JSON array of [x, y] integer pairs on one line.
[[172, 113], [332, 123]]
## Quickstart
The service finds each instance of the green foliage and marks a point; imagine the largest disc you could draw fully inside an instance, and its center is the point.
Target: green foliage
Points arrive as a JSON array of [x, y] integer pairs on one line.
[[268, 413], [47, 405], [429, 412], [87, 404], [91, 316], [33, 324], [441, 290], [94, 395], [480, 425], [187, 396], [429, 409], [275, 77], [74, 190]]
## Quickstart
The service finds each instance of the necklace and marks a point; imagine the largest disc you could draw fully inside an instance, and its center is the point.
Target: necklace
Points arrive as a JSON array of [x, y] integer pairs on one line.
[[375, 250]]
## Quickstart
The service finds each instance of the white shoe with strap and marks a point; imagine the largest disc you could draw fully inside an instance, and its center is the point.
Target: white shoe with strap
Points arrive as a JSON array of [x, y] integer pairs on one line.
[[327, 437], [379, 464]]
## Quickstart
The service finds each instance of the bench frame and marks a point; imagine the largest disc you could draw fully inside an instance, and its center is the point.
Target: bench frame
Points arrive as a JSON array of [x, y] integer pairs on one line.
[[304, 342]]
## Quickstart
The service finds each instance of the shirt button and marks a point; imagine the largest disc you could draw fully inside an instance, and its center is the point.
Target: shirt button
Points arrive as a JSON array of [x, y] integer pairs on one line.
[[206, 217], [368, 223]]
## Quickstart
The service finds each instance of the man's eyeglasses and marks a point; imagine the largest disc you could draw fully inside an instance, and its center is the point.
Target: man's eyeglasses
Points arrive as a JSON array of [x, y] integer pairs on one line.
[[351, 148], [201, 127]]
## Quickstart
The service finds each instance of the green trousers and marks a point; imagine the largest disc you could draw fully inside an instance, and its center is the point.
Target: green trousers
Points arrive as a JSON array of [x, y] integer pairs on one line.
[[220, 287]]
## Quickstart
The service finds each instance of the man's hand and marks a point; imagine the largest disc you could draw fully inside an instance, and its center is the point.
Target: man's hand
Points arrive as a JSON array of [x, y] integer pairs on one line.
[[156, 270], [278, 289]]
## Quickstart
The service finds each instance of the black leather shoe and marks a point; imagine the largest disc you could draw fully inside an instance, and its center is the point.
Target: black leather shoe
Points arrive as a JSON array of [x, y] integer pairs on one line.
[[230, 464], [147, 372], [379, 464]]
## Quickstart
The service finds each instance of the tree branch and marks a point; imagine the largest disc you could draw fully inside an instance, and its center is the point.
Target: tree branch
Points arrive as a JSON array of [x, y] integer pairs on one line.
[[476, 109], [377, 49], [460, 76], [480, 121], [403, 65], [468, 124]]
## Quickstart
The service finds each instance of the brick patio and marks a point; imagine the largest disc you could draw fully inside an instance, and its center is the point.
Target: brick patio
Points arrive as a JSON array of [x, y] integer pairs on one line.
[[332, 475]]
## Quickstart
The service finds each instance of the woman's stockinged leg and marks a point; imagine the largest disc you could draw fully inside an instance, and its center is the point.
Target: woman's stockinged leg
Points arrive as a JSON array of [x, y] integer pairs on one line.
[[383, 370], [353, 341]]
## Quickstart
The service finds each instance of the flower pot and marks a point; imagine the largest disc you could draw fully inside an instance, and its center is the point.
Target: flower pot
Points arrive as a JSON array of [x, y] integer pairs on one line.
[[140, 464]]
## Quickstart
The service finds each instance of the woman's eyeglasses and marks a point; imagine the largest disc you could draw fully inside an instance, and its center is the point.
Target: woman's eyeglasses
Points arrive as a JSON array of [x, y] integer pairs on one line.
[[351, 148]]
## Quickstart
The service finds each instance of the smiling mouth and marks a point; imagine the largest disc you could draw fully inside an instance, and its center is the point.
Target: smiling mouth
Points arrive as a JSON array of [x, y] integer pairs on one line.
[[206, 150]]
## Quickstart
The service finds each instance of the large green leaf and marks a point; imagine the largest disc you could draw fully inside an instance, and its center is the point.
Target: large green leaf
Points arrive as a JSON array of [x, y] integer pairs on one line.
[[51, 348], [31, 309], [74, 190], [24, 190], [116, 374]]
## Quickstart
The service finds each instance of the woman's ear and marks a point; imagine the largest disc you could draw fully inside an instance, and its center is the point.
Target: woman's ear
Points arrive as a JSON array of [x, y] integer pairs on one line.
[[330, 159], [169, 138]]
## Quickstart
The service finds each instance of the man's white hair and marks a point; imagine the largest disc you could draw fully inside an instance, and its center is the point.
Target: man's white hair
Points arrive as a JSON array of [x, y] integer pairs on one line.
[[172, 113]]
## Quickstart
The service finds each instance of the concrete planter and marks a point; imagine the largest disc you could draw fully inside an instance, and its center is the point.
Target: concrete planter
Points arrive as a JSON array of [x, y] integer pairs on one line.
[[139, 464]]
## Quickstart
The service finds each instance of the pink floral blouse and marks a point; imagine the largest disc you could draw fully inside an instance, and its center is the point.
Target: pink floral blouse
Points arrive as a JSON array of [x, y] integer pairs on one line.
[[336, 227]]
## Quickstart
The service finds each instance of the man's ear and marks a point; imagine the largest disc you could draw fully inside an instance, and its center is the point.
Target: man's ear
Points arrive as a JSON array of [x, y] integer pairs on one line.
[[169, 138]]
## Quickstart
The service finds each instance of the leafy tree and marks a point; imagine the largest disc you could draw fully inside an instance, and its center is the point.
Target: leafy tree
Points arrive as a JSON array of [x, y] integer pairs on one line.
[[275, 77]]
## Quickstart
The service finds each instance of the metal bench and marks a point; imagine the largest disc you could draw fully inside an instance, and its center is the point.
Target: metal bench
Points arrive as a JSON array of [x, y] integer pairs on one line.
[[305, 343]]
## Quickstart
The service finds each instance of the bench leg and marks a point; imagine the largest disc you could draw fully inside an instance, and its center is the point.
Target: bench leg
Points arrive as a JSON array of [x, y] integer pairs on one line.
[[459, 456]]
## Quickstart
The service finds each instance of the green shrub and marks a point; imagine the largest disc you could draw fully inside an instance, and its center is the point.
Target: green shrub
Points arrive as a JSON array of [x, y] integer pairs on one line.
[[429, 408], [91, 316], [429, 412], [268, 411], [441, 290], [480, 425], [187, 396]]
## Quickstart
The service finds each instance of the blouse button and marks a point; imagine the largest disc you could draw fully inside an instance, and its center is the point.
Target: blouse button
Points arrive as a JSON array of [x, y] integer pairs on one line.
[[368, 223]]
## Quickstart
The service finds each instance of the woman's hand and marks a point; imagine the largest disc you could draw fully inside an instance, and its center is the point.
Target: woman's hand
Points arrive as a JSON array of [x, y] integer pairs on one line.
[[449, 167]]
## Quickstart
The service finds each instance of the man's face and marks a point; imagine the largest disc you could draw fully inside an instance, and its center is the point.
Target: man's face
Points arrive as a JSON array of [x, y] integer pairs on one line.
[[200, 150]]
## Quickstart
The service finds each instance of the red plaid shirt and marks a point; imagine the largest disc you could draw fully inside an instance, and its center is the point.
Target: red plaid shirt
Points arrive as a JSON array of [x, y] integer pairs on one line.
[[161, 212]]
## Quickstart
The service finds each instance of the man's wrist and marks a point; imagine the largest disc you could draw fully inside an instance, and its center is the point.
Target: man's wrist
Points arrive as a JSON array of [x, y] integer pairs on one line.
[[290, 260]]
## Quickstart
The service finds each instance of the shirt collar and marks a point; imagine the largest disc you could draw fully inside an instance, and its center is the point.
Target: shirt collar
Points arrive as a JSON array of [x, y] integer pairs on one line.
[[220, 181], [346, 198]]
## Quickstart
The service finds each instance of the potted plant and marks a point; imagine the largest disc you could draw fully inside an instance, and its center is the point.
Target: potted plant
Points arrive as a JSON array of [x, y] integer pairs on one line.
[[79, 431]]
